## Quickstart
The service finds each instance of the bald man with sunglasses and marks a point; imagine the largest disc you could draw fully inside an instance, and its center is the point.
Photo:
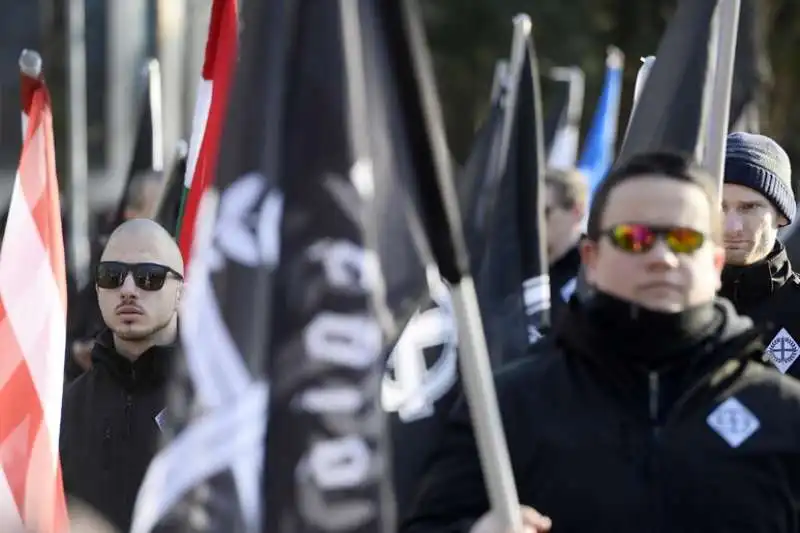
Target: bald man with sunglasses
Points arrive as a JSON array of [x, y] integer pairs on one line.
[[112, 414], [653, 411]]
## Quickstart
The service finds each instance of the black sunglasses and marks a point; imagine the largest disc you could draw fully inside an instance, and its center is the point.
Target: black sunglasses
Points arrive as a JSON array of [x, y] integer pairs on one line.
[[146, 276], [640, 238]]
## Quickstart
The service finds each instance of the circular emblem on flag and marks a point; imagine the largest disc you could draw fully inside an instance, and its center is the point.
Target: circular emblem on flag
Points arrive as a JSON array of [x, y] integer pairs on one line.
[[423, 365]]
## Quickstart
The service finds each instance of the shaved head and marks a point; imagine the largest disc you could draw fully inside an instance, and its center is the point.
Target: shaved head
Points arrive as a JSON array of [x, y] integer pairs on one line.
[[139, 284], [145, 241]]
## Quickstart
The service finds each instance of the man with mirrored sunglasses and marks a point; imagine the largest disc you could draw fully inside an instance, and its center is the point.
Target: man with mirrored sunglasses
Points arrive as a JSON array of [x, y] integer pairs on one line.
[[112, 414], [758, 200], [654, 411]]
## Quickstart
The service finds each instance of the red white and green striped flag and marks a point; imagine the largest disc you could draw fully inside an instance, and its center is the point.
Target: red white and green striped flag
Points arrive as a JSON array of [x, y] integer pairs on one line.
[[33, 308], [209, 116]]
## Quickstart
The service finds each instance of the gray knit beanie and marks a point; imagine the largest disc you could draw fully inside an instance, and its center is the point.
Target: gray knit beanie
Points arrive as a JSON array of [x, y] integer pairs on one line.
[[758, 162]]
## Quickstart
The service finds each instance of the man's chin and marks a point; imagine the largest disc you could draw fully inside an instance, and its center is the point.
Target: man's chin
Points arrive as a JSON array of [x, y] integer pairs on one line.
[[736, 257], [132, 333], [662, 298]]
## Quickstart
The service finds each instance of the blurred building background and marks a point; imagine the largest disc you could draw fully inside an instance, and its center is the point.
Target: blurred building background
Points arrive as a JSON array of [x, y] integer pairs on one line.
[[120, 35], [467, 37]]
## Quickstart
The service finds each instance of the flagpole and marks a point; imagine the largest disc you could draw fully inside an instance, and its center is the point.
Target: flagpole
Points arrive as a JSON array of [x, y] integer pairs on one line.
[[77, 145], [500, 81], [641, 79], [479, 389], [726, 29], [448, 246], [30, 64], [522, 31]]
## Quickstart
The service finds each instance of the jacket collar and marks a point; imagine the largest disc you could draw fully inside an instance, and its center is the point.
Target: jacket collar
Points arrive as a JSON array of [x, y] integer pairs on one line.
[[569, 262], [149, 370], [748, 286]]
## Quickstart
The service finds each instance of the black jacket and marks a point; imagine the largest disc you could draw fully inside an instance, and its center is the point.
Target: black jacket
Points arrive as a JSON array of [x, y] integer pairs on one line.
[[769, 293], [563, 280], [600, 444], [109, 428]]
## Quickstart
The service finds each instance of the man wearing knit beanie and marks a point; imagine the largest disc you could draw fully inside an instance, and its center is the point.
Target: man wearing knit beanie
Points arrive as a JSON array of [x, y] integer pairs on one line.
[[757, 200]]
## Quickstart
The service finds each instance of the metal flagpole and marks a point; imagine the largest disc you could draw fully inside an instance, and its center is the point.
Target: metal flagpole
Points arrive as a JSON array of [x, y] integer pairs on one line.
[[726, 29], [77, 191]]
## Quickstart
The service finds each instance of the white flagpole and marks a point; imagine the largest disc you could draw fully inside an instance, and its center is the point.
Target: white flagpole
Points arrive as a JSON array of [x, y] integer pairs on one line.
[[726, 29]]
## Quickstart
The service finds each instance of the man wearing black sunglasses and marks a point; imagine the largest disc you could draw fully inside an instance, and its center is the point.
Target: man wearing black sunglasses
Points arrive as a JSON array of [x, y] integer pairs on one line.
[[757, 200], [112, 414], [654, 411]]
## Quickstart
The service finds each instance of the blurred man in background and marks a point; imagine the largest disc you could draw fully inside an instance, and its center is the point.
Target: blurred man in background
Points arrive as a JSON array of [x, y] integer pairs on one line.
[[567, 195], [757, 200]]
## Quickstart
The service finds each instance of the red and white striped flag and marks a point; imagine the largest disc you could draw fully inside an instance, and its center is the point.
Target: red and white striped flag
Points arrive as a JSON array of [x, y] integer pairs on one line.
[[209, 116], [33, 307]]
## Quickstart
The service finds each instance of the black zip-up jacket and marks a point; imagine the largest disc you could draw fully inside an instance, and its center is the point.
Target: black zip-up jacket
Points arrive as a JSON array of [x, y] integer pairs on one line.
[[563, 280], [599, 443], [109, 428], [769, 293]]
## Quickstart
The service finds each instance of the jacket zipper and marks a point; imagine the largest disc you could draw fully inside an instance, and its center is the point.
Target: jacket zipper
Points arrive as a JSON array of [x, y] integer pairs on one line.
[[654, 387], [654, 393], [128, 409]]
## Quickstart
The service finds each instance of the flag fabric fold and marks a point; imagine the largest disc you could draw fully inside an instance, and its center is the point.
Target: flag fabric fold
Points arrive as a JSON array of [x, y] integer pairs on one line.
[[671, 113], [513, 283], [563, 138], [209, 115], [33, 327], [599, 147]]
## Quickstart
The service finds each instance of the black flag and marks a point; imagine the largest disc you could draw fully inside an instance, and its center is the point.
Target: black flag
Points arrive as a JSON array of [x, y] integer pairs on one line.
[[671, 111], [478, 182], [367, 183], [422, 380], [209, 477], [556, 117], [169, 204], [513, 284], [350, 274]]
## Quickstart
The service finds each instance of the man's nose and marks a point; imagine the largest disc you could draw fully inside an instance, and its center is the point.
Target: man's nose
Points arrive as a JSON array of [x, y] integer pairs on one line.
[[128, 286], [661, 256], [733, 222]]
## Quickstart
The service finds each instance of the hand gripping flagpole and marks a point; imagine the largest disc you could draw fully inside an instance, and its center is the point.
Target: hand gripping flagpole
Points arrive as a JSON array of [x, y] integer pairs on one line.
[[447, 242]]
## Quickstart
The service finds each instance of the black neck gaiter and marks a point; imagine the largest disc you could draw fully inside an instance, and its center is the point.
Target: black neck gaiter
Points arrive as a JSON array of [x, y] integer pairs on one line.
[[653, 339]]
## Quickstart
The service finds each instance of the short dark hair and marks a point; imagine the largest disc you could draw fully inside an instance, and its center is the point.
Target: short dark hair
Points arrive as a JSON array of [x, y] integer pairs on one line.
[[667, 164], [570, 185]]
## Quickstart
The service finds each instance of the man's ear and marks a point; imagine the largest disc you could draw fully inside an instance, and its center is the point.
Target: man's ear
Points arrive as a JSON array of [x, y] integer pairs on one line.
[[782, 221]]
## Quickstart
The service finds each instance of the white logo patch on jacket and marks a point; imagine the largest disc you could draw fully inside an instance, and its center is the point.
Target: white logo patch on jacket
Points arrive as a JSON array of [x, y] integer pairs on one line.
[[733, 422], [783, 350]]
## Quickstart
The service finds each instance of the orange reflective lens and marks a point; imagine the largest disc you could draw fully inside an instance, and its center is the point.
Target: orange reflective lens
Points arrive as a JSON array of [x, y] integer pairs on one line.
[[640, 238]]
